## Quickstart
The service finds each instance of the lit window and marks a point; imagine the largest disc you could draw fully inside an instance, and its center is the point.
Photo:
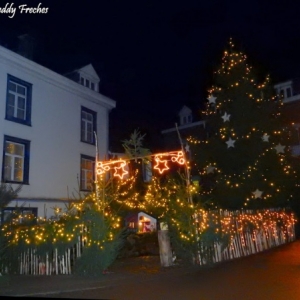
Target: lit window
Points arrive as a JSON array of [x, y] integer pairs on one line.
[[16, 160], [88, 125], [26, 215], [87, 173], [18, 100]]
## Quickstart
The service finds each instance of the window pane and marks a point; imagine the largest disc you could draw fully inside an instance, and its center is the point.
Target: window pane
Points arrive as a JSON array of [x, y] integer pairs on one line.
[[83, 115], [21, 103], [89, 117], [18, 149], [18, 169], [12, 86], [21, 114], [21, 90], [7, 167], [11, 99], [21, 108], [9, 148]]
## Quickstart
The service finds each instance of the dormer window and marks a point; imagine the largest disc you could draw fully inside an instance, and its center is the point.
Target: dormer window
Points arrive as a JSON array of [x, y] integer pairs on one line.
[[185, 115], [86, 76]]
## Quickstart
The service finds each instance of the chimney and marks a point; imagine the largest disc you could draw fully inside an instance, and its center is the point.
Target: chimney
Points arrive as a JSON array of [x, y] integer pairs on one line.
[[26, 45]]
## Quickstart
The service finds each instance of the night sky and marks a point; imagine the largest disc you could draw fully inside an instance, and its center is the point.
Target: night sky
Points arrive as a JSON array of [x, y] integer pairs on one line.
[[155, 56]]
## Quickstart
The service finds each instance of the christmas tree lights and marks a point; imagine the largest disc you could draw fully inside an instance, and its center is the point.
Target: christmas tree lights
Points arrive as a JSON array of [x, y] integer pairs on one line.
[[248, 147]]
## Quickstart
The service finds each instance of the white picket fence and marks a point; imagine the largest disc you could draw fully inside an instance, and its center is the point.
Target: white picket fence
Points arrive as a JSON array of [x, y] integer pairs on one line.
[[246, 242], [52, 263]]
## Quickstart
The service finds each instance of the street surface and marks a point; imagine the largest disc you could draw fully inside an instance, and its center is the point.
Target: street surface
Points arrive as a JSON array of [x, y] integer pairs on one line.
[[274, 274]]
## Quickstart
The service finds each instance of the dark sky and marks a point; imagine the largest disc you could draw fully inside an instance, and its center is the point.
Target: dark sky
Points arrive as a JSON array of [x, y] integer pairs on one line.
[[155, 56]]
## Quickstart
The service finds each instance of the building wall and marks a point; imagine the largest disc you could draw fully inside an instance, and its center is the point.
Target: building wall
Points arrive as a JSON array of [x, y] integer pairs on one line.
[[54, 134]]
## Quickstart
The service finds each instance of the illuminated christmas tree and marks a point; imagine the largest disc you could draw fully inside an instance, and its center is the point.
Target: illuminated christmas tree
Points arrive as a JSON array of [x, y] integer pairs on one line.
[[245, 161]]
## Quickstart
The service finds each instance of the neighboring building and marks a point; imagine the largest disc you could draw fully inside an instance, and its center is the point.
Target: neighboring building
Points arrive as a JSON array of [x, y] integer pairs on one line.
[[47, 126], [188, 126], [290, 91]]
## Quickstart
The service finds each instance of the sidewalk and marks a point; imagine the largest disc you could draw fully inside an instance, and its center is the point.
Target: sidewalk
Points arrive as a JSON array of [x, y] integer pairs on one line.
[[123, 270]]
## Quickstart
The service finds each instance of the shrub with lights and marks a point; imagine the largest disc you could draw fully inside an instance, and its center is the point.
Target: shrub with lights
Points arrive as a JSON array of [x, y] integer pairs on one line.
[[91, 219]]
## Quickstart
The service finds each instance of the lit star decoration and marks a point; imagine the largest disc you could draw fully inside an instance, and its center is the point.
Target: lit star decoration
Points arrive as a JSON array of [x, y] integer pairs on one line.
[[121, 168], [279, 148], [211, 99], [230, 143], [210, 169], [226, 117], [257, 193], [161, 165], [187, 148], [265, 137]]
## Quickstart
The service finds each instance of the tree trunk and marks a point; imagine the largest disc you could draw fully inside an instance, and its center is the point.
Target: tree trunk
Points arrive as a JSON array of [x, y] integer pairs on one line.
[[165, 251]]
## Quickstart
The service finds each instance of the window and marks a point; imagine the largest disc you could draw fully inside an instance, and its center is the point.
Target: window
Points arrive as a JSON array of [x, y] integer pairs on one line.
[[88, 125], [87, 173], [288, 92], [18, 100], [82, 80], [22, 214], [87, 83], [92, 85], [147, 171], [15, 166]]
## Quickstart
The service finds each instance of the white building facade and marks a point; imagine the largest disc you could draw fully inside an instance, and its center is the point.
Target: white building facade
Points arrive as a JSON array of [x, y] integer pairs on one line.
[[47, 125]]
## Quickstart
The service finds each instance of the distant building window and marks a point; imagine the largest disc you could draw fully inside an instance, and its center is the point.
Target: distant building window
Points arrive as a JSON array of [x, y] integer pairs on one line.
[[82, 80], [18, 100], [88, 125], [92, 85], [87, 83], [282, 93], [15, 166], [147, 171], [288, 92], [22, 214], [87, 173]]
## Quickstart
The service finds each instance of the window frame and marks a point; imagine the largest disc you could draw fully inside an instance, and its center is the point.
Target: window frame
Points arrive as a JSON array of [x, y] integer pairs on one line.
[[26, 158], [28, 100], [94, 124], [93, 160]]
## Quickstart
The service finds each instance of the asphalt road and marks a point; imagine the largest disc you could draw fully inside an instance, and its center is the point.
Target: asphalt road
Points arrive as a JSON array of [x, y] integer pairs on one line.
[[274, 274]]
